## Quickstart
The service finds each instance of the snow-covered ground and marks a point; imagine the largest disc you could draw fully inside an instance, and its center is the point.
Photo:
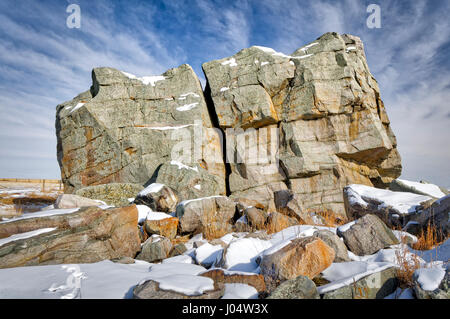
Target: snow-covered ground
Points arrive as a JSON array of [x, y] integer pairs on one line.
[[106, 279]]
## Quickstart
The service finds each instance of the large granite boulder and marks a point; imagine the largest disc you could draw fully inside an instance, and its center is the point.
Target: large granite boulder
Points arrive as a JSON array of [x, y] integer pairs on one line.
[[377, 285], [317, 111], [86, 235], [432, 283], [125, 128], [152, 290]]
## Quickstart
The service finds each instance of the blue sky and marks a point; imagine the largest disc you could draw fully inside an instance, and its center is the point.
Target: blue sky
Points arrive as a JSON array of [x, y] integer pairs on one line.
[[43, 62]]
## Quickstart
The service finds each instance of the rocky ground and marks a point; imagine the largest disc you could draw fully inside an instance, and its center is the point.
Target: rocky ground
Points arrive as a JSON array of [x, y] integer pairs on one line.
[[160, 247]]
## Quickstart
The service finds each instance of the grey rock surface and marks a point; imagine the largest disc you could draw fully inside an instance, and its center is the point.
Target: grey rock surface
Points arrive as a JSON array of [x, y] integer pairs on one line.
[[150, 290], [368, 235], [325, 106], [198, 214], [299, 288], [115, 194], [155, 249], [124, 128], [375, 286]]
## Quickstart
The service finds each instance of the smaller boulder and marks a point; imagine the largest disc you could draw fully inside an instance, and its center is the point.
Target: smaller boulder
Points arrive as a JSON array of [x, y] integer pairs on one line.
[[367, 235], [332, 240], [256, 217], [211, 213], [156, 248], [151, 290], [307, 256], [158, 197], [178, 249], [429, 285], [374, 286], [286, 203], [298, 288]]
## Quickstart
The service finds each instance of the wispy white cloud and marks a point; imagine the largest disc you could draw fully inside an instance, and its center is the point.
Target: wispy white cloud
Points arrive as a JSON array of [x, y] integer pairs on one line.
[[43, 63]]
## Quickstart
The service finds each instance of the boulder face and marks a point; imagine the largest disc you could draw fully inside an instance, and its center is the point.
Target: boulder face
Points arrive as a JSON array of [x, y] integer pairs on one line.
[[309, 123], [313, 121], [125, 128], [88, 235]]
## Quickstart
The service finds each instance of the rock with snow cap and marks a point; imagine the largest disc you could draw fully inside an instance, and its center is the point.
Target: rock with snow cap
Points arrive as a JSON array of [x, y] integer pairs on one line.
[[432, 283], [307, 256], [164, 225], [227, 277], [420, 188], [377, 285], [152, 290], [158, 197], [298, 288], [410, 211]]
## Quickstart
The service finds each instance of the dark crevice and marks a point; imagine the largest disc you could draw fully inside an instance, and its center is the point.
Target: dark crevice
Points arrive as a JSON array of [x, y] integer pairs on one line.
[[215, 123]]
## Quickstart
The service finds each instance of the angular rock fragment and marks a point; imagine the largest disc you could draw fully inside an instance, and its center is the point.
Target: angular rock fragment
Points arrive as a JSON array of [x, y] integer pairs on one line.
[[367, 235], [307, 256], [158, 197]]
